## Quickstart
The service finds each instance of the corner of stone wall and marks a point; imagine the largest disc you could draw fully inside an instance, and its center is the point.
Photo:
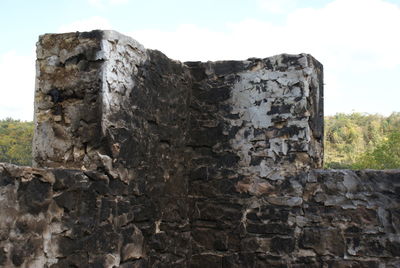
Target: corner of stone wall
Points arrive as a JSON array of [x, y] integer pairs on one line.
[[68, 99]]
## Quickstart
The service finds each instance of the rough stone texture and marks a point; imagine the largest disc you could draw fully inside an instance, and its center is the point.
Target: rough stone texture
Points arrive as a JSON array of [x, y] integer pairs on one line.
[[320, 218], [102, 99], [142, 161], [263, 118], [71, 218]]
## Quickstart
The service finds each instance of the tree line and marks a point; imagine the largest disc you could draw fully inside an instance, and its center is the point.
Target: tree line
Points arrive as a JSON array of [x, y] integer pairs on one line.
[[16, 142], [361, 141], [352, 141]]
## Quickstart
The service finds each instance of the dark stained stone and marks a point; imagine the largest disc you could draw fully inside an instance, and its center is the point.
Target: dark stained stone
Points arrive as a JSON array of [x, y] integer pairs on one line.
[[17, 257], [282, 245], [393, 247], [34, 196], [3, 256], [206, 260], [270, 228]]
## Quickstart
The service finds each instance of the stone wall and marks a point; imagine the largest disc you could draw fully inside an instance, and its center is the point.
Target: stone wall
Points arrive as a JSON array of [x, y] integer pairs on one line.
[[320, 218], [101, 97], [142, 161], [70, 218]]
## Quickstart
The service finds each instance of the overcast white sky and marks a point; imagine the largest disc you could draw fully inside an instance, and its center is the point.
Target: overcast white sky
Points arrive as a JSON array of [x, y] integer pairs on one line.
[[357, 41]]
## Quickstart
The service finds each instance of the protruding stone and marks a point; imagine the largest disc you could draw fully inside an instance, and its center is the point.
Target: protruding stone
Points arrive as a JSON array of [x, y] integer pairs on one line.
[[134, 249]]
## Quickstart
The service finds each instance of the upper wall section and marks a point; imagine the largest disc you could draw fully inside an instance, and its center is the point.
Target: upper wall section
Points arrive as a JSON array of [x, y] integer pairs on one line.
[[264, 115], [68, 103], [103, 101]]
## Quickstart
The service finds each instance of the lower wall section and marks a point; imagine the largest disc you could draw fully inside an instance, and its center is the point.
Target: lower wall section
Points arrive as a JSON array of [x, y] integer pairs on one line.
[[66, 218], [324, 218]]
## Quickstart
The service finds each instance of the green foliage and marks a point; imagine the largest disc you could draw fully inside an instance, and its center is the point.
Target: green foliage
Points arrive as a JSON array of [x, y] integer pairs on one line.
[[16, 141], [362, 141], [385, 156]]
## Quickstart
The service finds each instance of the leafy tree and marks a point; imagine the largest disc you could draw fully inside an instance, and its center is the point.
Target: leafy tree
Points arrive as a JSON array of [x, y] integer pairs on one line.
[[16, 141], [350, 136], [385, 156]]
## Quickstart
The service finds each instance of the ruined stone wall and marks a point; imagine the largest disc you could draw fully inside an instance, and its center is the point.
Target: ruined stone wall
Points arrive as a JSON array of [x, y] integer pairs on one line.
[[133, 129], [320, 218], [253, 125], [142, 161]]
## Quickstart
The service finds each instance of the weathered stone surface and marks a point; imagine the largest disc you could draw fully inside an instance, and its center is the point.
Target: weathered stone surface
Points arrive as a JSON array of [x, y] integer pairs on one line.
[[156, 163], [85, 222], [102, 99], [82, 224]]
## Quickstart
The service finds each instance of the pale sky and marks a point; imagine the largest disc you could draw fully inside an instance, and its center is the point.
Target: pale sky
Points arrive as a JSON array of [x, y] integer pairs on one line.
[[357, 41]]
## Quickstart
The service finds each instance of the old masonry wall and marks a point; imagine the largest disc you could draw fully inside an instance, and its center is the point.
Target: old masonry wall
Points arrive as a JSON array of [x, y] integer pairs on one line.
[[143, 161]]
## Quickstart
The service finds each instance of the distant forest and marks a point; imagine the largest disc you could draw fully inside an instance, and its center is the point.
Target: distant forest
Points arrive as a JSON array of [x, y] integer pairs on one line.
[[16, 142], [361, 141], [352, 141]]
